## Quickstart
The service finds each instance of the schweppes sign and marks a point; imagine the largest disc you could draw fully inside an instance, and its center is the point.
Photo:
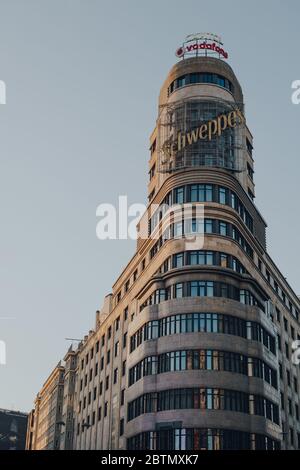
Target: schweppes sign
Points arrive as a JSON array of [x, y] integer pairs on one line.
[[206, 131]]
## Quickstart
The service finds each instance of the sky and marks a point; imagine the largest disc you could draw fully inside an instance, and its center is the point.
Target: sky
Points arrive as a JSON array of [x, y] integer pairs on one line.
[[82, 80]]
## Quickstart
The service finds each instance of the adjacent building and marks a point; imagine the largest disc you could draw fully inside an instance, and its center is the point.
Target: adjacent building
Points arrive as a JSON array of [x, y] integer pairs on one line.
[[193, 348], [45, 421], [13, 425]]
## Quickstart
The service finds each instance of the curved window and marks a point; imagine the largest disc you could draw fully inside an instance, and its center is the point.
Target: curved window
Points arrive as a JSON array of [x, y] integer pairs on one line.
[[200, 227], [203, 359], [194, 78], [202, 289], [206, 323], [202, 258], [200, 439], [201, 193], [203, 399]]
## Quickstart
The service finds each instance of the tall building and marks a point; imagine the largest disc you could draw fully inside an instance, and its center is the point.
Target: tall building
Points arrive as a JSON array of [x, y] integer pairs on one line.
[[45, 420], [68, 409], [193, 348], [13, 425]]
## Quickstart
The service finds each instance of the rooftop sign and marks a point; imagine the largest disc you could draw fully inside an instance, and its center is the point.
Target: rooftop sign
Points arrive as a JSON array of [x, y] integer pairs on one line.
[[202, 44]]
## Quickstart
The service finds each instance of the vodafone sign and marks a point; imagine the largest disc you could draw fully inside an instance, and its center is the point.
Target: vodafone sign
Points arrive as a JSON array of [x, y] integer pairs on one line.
[[202, 44]]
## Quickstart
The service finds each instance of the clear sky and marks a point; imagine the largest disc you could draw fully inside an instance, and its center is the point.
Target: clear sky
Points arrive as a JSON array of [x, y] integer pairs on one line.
[[83, 78]]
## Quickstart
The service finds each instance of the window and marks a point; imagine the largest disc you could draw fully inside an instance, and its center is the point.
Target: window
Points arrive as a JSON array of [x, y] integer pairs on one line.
[[105, 408], [250, 171], [115, 375], [178, 260], [178, 291], [222, 195], [109, 333], [203, 398], [123, 367], [179, 195], [287, 351], [122, 396], [204, 322], [107, 382], [117, 324], [122, 427], [125, 339], [201, 77], [125, 313], [108, 357], [223, 229], [203, 359], [292, 436], [117, 348]]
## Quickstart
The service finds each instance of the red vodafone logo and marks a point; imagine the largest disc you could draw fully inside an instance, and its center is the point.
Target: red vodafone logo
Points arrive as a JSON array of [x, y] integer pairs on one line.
[[180, 52], [201, 46]]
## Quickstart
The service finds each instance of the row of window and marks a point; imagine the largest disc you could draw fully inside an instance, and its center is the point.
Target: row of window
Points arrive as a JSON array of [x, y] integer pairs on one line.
[[200, 439], [202, 258], [202, 289], [203, 322], [200, 77], [203, 399], [201, 193], [203, 359], [192, 227], [279, 292]]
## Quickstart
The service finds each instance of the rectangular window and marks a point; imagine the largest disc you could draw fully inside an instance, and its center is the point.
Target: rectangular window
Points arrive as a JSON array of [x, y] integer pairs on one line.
[[222, 195], [178, 290], [179, 195], [178, 260], [122, 427]]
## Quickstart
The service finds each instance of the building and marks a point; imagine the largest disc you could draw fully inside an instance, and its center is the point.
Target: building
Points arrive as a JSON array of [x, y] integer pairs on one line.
[[45, 421], [13, 425], [193, 348], [68, 410]]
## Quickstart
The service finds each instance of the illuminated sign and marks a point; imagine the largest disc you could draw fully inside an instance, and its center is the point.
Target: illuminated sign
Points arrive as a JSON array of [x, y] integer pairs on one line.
[[205, 131], [202, 44]]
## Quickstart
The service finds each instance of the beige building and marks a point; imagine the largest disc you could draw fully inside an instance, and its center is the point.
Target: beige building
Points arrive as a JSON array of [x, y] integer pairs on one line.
[[193, 348], [45, 421]]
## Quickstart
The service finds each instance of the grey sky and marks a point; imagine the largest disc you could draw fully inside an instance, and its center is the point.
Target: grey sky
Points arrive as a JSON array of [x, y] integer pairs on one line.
[[82, 80]]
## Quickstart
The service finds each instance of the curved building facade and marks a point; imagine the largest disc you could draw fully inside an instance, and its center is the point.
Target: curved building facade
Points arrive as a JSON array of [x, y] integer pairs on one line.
[[203, 366]]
